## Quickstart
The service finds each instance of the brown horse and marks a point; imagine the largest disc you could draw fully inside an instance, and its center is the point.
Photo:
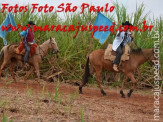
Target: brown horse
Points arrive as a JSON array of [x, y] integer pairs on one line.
[[97, 62], [10, 55]]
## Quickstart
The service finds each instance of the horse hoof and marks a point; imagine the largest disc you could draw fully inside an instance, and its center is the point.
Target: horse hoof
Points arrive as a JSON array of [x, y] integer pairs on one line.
[[80, 92], [104, 94], [102, 91], [123, 96], [128, 94]]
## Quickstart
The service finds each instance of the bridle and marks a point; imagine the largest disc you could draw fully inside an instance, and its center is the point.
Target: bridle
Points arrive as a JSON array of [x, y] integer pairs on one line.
[[52, 45], [40, 49]]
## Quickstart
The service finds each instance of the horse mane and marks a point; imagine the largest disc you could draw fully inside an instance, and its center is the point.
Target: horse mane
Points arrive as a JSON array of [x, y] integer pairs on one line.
[[136, 51]]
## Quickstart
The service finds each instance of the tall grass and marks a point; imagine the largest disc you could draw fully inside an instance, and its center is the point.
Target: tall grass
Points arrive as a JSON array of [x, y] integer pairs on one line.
[[73, 51]]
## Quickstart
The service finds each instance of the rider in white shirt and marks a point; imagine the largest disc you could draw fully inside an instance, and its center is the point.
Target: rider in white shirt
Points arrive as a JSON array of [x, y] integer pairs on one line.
[[121, 39]]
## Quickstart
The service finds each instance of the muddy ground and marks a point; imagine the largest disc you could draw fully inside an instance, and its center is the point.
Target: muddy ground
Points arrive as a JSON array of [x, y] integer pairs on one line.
[[32, 102]]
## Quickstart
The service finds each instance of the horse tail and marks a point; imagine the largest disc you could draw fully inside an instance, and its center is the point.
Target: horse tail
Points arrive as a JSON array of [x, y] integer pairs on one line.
[[87, 72], [1, 54], [85, 76]]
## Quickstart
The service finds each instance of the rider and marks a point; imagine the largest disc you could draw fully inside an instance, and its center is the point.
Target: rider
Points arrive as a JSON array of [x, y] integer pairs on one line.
[[121, 39], [28, 39]]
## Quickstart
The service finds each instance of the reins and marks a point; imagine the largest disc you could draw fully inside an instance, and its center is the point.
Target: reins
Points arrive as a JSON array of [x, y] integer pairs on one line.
[[43, 50], [40, 52]]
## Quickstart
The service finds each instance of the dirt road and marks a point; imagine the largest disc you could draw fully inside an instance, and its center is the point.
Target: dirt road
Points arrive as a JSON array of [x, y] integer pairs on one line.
[[36, 103]]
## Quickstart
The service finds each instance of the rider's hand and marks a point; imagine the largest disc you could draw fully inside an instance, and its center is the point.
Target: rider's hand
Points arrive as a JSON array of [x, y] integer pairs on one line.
[[22, 38], [132, 37]]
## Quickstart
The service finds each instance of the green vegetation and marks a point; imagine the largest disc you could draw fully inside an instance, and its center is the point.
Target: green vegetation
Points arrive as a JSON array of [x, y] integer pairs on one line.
[[4, 118], [56, 95], [29, 91], [73, 51], [43, 90], [82, 115]]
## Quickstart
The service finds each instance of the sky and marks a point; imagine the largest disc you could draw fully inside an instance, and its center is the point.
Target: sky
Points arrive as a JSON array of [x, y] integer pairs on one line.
[[154, 6]]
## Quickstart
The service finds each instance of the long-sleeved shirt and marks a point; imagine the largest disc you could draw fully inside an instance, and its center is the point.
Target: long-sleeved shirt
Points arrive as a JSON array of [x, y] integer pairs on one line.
[[28, 35], [119, 39]]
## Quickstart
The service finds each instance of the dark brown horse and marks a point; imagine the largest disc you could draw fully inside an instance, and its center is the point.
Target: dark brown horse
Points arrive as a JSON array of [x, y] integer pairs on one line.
[[97, 62]]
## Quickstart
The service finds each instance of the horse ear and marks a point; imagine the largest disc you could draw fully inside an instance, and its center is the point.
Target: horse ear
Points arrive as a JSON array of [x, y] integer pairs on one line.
[[50, 38]]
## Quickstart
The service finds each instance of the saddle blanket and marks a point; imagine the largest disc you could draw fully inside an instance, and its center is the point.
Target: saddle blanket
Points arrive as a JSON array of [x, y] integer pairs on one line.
[[21, 49], [110, 56]]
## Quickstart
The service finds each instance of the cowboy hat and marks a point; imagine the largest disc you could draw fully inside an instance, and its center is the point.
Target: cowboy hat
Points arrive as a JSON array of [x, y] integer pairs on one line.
[[31, 23], [126, 23]]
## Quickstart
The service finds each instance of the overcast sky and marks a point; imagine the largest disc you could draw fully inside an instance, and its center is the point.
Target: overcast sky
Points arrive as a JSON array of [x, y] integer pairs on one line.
[[155, 6]]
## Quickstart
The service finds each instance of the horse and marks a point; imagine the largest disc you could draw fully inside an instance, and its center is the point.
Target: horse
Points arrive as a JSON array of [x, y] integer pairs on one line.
[[8, 53], [97, 63]]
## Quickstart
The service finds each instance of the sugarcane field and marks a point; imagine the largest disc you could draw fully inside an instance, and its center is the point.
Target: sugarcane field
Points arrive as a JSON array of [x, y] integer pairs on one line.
[[81, 61]]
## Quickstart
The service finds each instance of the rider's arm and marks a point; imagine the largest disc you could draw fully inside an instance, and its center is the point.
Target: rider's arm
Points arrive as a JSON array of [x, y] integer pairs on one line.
[[119, 34], [129, 33], [23, 35], [132, 37]]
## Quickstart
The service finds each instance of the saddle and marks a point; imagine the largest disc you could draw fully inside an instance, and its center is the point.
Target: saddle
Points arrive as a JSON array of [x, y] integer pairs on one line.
[[111, 54], [21, 49]]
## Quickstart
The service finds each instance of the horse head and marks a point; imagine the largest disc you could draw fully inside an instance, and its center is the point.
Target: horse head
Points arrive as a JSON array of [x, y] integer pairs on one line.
[[53, 45], [153, 56]]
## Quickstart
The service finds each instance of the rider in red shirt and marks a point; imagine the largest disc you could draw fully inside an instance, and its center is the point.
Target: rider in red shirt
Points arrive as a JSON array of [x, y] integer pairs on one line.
[[28, 39]]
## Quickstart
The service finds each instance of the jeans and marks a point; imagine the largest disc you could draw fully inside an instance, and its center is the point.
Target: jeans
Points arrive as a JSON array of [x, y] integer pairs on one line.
[[27, 51], [119, 52]]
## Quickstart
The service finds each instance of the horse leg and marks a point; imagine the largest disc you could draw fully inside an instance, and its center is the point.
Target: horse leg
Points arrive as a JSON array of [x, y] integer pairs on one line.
[[2, 66], [132, 78], [98, 77], [92, 70], [37, 71], [12, 65], [85, 80], [122, 87], [28, 73]]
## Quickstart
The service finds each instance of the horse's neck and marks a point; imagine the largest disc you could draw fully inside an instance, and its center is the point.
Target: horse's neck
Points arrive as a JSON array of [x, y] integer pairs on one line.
[[44, 49], [143, 57]]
